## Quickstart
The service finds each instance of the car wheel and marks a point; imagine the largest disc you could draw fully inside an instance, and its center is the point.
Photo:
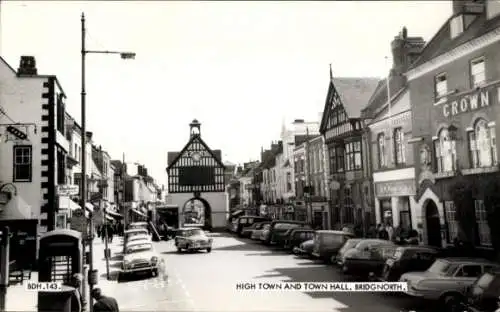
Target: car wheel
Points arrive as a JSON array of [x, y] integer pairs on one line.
[[179, 249], [451, 302], [154, 272], [209, 249]]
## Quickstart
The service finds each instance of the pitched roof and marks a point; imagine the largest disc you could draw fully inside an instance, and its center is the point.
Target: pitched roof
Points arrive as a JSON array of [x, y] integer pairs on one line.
[[379, 96], [173, 157], [442, 41], [355, 93]]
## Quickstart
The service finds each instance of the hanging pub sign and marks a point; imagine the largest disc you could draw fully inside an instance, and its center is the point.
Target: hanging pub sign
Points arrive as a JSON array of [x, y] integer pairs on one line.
[[467, 103]]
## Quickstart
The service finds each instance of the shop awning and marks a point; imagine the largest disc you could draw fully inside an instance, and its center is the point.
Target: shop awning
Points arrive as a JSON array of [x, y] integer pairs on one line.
[[138, 212], [68, 204]]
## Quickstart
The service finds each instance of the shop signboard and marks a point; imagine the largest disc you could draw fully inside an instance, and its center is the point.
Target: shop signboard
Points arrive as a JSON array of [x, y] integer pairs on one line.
[[67, 190]]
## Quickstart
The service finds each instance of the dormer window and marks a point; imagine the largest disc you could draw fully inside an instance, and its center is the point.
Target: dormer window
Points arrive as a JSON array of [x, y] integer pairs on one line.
[[456, 26]]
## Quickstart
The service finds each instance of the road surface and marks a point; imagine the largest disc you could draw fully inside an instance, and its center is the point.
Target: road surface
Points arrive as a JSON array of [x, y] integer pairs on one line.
[[207, 281]]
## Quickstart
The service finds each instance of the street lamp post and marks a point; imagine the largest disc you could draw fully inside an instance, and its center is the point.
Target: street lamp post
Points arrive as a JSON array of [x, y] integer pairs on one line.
[[92, 278]]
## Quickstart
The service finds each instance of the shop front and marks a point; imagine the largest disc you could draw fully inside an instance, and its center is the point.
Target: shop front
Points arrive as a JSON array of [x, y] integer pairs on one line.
[[395, 203]]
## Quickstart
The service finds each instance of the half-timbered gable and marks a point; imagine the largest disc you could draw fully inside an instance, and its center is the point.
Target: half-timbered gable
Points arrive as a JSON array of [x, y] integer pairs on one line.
[[345, 99], [195, 169]]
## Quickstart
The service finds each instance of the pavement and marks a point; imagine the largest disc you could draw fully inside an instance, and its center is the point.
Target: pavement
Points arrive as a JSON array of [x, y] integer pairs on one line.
[[204, 281]]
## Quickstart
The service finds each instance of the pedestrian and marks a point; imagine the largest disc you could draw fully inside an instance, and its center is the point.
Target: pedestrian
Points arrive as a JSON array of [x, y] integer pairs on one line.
[[104, 303], [77, 301]]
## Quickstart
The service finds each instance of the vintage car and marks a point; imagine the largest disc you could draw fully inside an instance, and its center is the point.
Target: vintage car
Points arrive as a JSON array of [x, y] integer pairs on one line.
[[136, 238], [328, 243], [247, 221], [247, 231], [278, 230], [192, 239], [356, 259], [369, 263], [482, 296], [349, 244], [295, 237], [305, 248], [408, 259], [139, 257], [257, 232], [447, 279]]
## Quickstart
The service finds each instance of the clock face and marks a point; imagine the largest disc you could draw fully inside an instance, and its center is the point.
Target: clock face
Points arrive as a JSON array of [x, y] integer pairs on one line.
[[196, 157]]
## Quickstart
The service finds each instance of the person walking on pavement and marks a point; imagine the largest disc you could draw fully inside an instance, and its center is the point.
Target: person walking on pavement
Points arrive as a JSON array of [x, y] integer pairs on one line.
[[104, 303]]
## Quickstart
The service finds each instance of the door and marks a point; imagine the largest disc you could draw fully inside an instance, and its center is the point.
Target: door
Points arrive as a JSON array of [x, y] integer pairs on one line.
[[433, 224]]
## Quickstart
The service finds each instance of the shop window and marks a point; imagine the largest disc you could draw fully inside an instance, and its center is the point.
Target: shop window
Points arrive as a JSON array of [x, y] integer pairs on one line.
[[445, 151], [482, 223], [381, 150], [451, 220], [482, 145]]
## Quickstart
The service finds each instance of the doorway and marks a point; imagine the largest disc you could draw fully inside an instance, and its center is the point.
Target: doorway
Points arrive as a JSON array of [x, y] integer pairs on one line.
[[197, 212], [433, 224]]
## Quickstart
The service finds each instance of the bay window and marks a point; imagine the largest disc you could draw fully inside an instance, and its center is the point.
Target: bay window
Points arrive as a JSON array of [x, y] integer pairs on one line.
[[336, 159], [445, 151], [482, 145], [353, 159]]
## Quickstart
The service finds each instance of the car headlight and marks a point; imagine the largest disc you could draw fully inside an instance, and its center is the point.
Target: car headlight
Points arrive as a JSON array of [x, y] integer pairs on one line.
[[154, 259], [210, 240]]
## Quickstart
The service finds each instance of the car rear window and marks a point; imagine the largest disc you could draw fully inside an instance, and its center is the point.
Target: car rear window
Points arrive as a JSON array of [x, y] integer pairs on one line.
[[329, 238]]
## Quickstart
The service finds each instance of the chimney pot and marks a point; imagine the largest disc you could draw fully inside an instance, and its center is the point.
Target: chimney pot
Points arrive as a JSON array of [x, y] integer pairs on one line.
[[27, 66]]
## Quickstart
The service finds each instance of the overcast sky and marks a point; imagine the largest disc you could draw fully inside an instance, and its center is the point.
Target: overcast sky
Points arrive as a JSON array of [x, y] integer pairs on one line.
[[238, 67]]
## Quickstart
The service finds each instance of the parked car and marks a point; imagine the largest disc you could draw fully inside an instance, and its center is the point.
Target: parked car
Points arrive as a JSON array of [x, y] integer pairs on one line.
[[295, 237], [278, 229], [305, 248], [247, 231], [192, 239], [482, 296], [369, 264], [139, 257], [408, 259], [447, 279], [246, 221], [357, 258], [233, 219], [328, 243], [349, 244]]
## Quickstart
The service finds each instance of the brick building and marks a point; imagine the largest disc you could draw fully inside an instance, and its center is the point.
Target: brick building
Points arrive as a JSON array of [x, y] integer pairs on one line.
[[390, 132], [454, 92]]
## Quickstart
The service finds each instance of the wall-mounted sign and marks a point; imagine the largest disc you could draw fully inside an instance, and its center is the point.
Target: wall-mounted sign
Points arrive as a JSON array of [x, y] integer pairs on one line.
[[67, 190], [467, 103], [395, 188]]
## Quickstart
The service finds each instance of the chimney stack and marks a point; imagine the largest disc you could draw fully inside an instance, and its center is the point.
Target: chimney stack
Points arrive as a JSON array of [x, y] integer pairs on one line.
[[89, 136], [405, 51], [27, 66]]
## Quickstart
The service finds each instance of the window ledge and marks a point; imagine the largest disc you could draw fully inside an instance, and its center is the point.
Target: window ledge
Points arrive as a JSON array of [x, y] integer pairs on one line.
[[444, 175], [480, 170]]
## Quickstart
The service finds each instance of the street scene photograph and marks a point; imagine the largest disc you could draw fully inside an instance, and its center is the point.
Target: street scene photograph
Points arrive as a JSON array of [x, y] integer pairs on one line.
[[202, 156]]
